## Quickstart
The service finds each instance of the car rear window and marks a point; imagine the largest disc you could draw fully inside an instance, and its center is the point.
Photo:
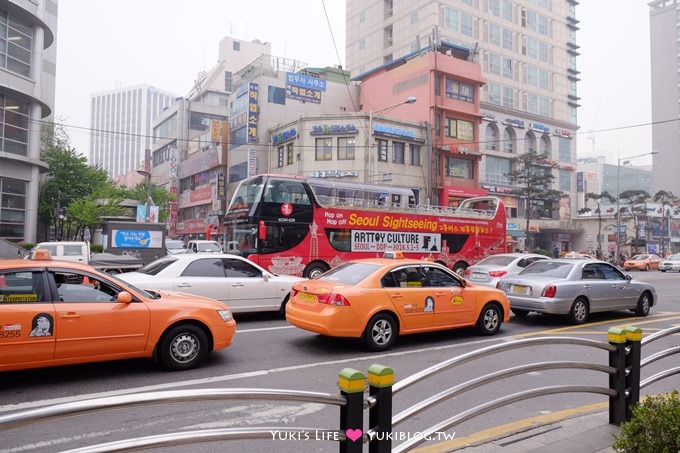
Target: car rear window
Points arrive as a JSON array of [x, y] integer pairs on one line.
[[496, 260], [555, 269], [157, 266], [350, 273]]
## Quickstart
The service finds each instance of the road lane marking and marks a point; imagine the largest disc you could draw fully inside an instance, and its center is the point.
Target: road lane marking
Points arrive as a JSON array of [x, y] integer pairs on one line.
[[247, 374]]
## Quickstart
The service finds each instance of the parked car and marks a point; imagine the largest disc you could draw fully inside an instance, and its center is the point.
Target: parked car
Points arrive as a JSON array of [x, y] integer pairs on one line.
[[173, 246], [55, 312], [232, 279], [576, 288], [378, 299], [199, 246], [670, 263], [489, 270], [642, 262]]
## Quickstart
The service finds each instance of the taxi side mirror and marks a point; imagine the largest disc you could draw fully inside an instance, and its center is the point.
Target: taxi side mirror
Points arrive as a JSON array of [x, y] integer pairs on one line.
[[124, 297]]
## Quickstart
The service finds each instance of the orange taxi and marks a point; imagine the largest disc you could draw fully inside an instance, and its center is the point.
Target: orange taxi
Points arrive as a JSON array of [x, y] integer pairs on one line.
[[62, 312], [642, 262], [378, 299]]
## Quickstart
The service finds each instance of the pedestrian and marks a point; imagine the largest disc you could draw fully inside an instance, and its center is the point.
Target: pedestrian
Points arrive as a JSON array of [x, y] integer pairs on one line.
[[556, 252]]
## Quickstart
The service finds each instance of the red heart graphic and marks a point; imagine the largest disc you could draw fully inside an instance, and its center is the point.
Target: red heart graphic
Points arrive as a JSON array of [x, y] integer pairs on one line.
[[353, 434]]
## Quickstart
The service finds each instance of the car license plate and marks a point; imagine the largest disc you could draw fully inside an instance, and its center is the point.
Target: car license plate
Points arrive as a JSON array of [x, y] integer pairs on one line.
[[520, 289], [476, 276], [309, 298]]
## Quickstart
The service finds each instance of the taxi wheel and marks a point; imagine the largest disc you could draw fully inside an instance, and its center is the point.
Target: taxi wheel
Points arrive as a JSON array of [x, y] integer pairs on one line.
[[183, 347], [579, 311], [381, 332], [643, 305], [490, 319]]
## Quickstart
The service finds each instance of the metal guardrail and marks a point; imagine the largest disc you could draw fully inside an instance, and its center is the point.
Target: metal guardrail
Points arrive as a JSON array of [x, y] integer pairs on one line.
[[624, 348]]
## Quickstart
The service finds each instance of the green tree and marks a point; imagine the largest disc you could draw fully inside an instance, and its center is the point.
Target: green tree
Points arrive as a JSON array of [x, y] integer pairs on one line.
[[532, 174], [598, 198], [635, 202], [69, 179], [667, 201]]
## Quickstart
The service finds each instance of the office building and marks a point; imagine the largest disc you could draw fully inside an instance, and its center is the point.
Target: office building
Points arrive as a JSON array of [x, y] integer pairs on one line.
[[120, 123], [664, 25], [527, 51], [28, 69]]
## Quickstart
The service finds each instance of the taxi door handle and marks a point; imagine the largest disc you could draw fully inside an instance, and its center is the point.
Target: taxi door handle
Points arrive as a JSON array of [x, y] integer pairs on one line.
[[184, 285], [237, 284], [70, 316], [397, 295]]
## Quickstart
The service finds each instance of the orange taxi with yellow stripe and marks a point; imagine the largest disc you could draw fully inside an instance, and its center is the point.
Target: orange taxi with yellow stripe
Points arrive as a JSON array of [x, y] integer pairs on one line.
[[62, 313], [378, 299]]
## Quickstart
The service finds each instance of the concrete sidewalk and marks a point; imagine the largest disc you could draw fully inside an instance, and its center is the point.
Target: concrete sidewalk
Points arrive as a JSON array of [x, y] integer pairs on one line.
[[581, 430]]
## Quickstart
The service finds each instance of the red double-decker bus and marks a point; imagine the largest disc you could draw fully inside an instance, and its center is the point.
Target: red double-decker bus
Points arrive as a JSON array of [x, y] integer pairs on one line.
[[304, 226]]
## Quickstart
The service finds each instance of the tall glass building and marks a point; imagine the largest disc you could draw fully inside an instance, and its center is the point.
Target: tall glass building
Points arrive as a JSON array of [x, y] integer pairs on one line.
[[27, 71]]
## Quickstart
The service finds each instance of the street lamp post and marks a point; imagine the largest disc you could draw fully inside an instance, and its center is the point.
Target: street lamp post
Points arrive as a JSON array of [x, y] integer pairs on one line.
[[149, 200], [625, 161], [408, 100]]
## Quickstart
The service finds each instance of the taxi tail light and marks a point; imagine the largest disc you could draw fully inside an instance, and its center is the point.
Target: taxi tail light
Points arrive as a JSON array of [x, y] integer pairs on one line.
[[497, 273], [549, 291], [333, 299]]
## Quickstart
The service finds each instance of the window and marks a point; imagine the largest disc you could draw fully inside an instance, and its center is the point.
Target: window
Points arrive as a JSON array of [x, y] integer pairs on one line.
[[565, 180], [228, 81], [452, 19], [415, 155], [495, 7], [544, 145], [543, 52], [507, 68], [508, 99], [508, 140], [21, 287], [466, 24], [289, 154], [459, 90], [532, 47], [398, 152], [16, 43], [458, 168], [13, 125], [495, 34], [324, 149], [529, 142], [494, 64], [507, 39], [77, 287], [564, 145], [450, 128], [280, 156], [532, 103], [532, 75], [497, 169], [494, 93], [12, 208], [236, 46], [543, 79], [207, 267], [491, 138], [346, 146], [507, 10], [240, 269]]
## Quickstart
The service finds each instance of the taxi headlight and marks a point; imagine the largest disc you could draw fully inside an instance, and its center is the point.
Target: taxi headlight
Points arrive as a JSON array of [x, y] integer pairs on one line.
[[225, 315]]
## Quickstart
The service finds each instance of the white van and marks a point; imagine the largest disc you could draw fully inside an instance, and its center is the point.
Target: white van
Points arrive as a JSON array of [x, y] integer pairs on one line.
[[67, 250]]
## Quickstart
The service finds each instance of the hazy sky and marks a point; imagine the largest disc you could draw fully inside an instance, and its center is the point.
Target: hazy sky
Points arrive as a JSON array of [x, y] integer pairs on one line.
[[106, 44]]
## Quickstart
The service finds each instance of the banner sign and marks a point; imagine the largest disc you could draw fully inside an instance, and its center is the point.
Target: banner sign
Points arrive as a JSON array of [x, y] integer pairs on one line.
[[379, 241]]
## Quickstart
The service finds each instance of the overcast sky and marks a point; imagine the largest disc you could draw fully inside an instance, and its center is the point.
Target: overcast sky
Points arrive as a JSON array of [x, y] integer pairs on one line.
[[106, 44]]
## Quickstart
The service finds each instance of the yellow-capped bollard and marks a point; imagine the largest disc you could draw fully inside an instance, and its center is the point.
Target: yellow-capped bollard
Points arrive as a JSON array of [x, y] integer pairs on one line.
[[380, 381], [352, 383], [617, 381], [633, 358]]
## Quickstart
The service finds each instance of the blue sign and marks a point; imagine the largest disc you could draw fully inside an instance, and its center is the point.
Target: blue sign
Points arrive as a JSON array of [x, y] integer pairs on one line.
[[284, 136], [393, 131], [133, 238], [305, 81], [327, 129]]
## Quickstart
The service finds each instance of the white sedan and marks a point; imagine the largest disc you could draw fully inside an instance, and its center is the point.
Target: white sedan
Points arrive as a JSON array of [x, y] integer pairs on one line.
[[232, 279]]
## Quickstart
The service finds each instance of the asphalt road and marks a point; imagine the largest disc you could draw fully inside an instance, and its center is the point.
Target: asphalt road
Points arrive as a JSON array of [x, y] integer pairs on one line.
[[268, 353]]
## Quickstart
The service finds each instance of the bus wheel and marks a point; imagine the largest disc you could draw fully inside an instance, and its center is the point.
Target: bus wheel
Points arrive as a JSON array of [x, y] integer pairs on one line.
[[314, 270], [459, 268]]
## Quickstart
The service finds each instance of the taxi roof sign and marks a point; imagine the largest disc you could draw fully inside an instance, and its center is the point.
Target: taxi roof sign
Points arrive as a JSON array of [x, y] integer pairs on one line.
[[395, 254], [41, 254]]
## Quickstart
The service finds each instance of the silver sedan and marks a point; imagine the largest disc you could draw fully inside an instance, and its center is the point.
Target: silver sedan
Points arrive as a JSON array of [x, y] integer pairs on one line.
[[489, 270], [670, 263], [576, 288]]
